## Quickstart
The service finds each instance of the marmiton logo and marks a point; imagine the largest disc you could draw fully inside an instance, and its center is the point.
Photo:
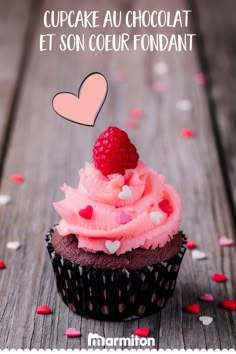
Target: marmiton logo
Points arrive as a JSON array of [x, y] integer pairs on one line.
[[94, 340]]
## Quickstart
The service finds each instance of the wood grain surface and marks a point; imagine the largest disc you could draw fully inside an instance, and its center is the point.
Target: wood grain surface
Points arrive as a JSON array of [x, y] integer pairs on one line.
[[49, 150]]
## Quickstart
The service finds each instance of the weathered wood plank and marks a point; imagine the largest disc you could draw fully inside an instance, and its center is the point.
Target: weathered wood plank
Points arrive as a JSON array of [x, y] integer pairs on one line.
[[14, 19], [52, 150]]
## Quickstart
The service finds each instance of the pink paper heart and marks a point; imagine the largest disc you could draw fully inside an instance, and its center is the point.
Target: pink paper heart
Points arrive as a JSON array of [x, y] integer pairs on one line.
[[225, 242], [206, 298], [72, 332], [85, 108]]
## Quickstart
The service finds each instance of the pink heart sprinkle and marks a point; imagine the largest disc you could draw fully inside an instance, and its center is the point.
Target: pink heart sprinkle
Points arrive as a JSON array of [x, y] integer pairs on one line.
[[225, 241], [186, 133], [72, 332], [123, 218], [131, 124], [159, 87], [135, 113], [206, 298], [200, 79], [118, 76], [17, 178]]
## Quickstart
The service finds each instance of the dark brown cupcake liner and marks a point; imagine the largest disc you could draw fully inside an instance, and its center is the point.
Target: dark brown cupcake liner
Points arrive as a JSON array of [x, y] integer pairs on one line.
[[115, 294]]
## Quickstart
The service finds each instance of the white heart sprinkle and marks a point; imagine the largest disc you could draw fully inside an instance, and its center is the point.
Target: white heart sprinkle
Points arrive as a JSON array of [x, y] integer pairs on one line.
[[206, 320], [13, 245], [112, 246], [125, 193], [161, 68], [184, 105], [5, 199], [156, 216], [198, 255]]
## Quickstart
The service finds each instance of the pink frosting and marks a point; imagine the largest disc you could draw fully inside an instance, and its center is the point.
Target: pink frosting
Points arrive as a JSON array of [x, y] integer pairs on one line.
[[128, 220]]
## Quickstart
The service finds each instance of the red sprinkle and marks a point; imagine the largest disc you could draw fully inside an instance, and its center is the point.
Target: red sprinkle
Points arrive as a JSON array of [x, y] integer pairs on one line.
[[142, 332], [219, 277], [131, 124], [2, 264], [135, 113], [190, 244], [192, 308], [186, 133], [17, 178], [165, 206], [87, 212], [43, 310], [229, 305]]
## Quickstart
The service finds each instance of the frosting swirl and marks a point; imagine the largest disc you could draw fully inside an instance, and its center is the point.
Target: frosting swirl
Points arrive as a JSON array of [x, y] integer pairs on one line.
[[126, 210]]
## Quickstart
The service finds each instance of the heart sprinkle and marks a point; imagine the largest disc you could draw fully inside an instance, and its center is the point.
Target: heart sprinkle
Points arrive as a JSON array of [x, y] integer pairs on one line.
[[200, 79], [123, 218], [192, 308], [2, 264], [156, 216], [190, 244], [186, 133], [184, 105], [165, 206], [131, 124], [13, 245], [125, 193], [17, 178], [118, 76], [219, 277], [87, 212], [112, 246], [43, 310], [206, 298], [161, 68], [135, 113], [142, 332], [206, 320], [159, 87], [229, 305], [72, 332], [198, 255], [5, 199], [225, 241]]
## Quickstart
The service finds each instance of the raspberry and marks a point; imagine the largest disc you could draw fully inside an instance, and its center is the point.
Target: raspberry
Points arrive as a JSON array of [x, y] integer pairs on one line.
[[113, 152]]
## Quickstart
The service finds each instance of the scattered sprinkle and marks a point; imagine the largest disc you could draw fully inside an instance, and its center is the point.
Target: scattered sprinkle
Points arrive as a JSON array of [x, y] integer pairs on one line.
[[198, 255], [184, 105], [219, 277], [206, 320], [112, 246], [200, 79], [159, 87], [123, 218], [118, 76], [87, 212], [156, 216], [43, 310], [2, 264], [165, 206], [131, 124], [161, 68], [135, 113], [206, 297], [190, 244], [192, 308], [4, 199], [229, 304], [125, 193], [13, 245], [17, 178], [186, 133], [142, 332], [72, 332], [225, 241]]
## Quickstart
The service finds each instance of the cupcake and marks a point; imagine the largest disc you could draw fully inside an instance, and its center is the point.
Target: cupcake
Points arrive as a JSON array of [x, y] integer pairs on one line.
[[117, 250]]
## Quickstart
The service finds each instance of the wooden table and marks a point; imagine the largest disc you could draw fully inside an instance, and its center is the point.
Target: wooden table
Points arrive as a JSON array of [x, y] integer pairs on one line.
[[49, 150]]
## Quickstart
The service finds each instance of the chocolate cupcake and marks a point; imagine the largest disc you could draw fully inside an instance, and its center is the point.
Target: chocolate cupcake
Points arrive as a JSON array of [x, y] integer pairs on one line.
[[116, 252]]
